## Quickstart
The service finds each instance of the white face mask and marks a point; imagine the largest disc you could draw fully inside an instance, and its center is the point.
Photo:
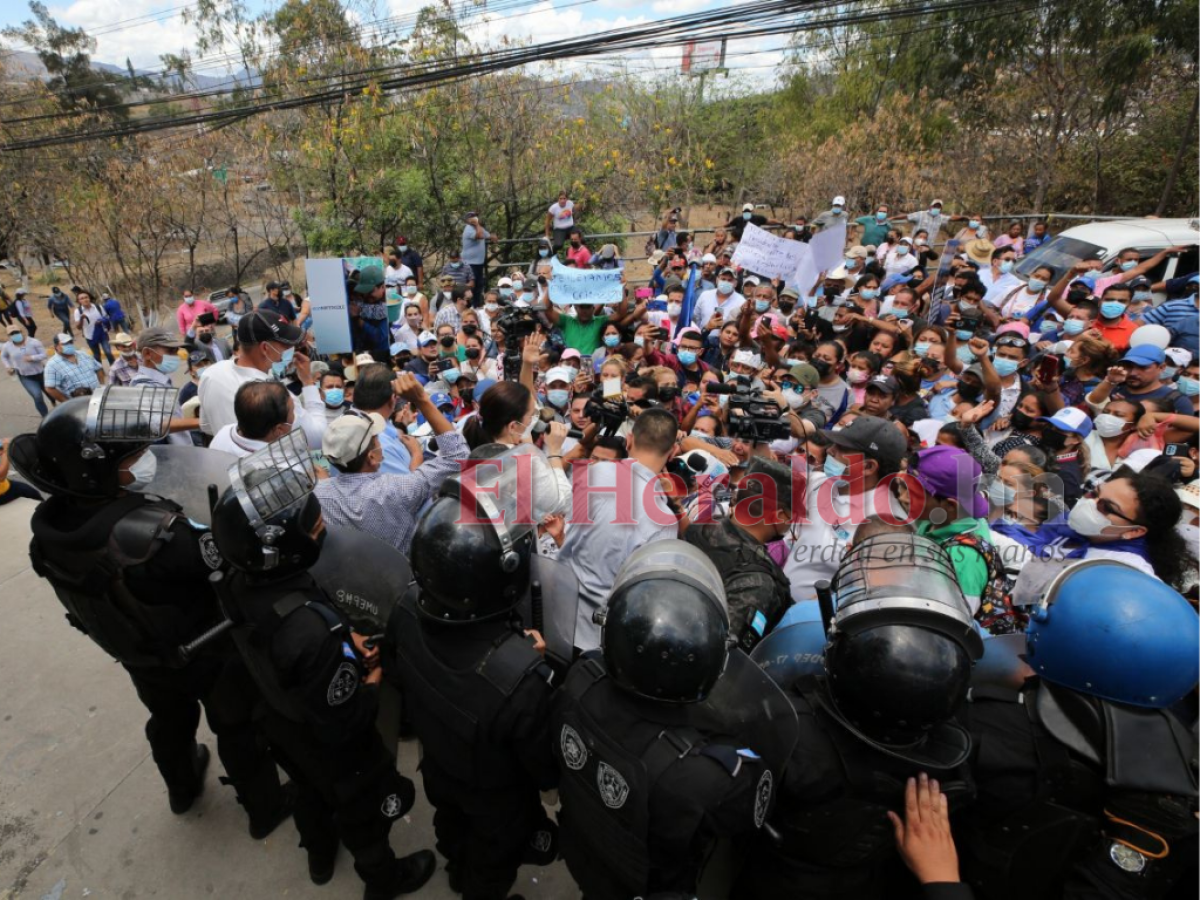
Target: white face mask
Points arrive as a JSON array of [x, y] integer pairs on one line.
[[1087, 519], [143, 471], [527, 434], [1108, 425]]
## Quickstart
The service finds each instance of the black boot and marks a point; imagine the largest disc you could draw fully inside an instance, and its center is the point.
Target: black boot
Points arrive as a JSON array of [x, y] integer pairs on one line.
[[321, 862], [182, 798], [408, 874], [262, 824]]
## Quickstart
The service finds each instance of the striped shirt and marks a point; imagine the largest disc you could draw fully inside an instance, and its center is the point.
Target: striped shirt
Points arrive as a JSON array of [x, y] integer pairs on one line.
[[1180, 318], [27, 358], [69, 376]]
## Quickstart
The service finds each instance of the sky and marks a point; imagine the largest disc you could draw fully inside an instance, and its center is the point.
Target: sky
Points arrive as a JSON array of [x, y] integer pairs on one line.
[[142, 30]]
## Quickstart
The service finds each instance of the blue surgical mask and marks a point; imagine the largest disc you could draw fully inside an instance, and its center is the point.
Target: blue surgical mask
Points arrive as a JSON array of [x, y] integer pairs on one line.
[[612, 340], [639, 341], [67, 349], [1169, 372], [505, 292], [868, 293], [973, 224], [169, 364], [335, 397], [1006, 267], [451, 375], [558, 397], [834, 467], [1073, 326], [1000, 494], [1005, 366], [900, 313], [17, 338], [967, 306], [279, 368], [189, 300], [543, 252], [881, 217], [935, 211], [746, 216], [725, 288], [1036, 285], [837, 210], [1129, 265], [761, 306], [410, 290], [921, 348], [1189, 387], [1112, 309], [964, 334], [1143, 296], [902, 250], [692, 399], [687, 357]]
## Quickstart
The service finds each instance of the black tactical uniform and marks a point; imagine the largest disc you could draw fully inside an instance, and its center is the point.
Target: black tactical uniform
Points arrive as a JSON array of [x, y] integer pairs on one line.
[[320, 715], [132, 572], [477, 691], [896, 667], [756, 589], [648, 786]]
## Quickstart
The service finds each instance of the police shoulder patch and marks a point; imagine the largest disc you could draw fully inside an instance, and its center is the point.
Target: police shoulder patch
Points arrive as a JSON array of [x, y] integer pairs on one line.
[[574, 752], [343, 685], [209, 552], [614, 789], [762, 797], [391, 806], [1126, 857]]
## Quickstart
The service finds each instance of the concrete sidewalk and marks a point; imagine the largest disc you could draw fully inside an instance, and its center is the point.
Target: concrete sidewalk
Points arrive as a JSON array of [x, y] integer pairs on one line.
[[83, 812]]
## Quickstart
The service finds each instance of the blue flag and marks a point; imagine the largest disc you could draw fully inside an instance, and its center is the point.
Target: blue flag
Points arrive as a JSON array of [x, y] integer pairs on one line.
[[690, 292]]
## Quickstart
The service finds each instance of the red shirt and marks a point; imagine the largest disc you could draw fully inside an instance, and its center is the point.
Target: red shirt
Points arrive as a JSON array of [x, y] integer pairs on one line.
[[580, 256], [1118, 332]]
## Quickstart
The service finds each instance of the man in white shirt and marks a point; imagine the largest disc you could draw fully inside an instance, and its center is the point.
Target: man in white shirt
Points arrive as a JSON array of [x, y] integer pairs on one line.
[[724, 299], [266, 348], [265, 412], [1001, 278], [597, 544], [396, 272]]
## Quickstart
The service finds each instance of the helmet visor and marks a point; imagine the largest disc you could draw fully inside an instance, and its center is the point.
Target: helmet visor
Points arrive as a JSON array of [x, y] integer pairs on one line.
[[274, 478], [134, 414], [673, 561]]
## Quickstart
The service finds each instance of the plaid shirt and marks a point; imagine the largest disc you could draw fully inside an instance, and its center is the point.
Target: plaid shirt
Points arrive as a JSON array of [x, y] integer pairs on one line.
[[387, 505], [69, 377]]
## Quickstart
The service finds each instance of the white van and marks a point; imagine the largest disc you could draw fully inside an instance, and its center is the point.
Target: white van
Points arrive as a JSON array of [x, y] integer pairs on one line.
[[1106, 239]]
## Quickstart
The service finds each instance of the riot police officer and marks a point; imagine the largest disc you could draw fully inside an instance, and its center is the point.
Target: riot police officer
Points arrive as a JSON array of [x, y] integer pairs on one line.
[[667, 739], [896, 667], [1086, 775], [132, 572], [478, 691], [318, 678], [757, 591]]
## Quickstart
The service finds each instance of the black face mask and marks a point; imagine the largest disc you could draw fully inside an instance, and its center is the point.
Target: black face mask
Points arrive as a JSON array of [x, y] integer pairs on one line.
[[786, 308], [472, 353], [204, 338], [1054, 440], [446, 341], [470, 329], [822, 366], [1021, 421], [969, 392], [668, 393]]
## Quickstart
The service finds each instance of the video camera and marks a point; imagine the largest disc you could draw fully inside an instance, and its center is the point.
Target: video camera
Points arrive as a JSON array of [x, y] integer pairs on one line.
[[609, 414], [751, 416], [517, 323]]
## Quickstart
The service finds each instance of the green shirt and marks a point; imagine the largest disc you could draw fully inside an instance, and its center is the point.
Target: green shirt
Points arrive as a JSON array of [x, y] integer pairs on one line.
[[582, 336], [969, 564], [873, 232]]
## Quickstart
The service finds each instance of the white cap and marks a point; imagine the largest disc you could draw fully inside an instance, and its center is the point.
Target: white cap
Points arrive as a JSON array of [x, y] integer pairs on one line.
[[64, 338], [751, 279], [1178, 356], [747, 358], [839, 200], [364, 359], [747, 207], [708, 258], [426, 337], [348, 437], [504, 282], [565, 374]]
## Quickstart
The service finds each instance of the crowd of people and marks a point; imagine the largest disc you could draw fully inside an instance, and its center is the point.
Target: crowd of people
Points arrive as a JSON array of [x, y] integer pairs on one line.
[[723, 464]]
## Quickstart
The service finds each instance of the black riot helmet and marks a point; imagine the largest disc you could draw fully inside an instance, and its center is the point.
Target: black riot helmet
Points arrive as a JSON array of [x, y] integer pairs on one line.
[[902, 643], [266, 523], [471, 550], [665, 632], [78, 448]]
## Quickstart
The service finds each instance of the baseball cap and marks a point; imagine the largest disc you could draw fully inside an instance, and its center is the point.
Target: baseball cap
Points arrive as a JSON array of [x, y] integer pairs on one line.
[[790, 291], [397, 348], [504, 282], [1144, 355], [728, 271], [708, 258], [875, 437], [885, 383], [571, 353], [20, 292], [440, 399], [63, 338], [1178, 356], [656, 257], [196, 357], [950, 473], [529, 284], [565, 374], [936, 203], [858, 251], [747, 358], [1020, 328], [348, 437], [369, 278], [839, 200], [690, 331], [264, 325], [158, 336], [747, 207], [1076, 421], [805, 375], [751, 279], [425, 338]]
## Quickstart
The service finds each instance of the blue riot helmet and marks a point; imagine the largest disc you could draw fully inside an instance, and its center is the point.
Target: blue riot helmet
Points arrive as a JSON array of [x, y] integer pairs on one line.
[[1106, 629]]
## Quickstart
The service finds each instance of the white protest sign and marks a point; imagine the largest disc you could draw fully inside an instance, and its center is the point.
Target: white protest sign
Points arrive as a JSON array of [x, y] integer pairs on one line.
[[327, 301], [763, 253], [829, 248], [806, 274], [596, 287]]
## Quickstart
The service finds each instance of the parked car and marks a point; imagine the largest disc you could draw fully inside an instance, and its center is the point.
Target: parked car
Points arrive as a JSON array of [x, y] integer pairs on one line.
[[1106, 239]]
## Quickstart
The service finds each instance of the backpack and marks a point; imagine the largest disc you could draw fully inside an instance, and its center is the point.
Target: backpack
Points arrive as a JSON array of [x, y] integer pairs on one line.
[[997, 613]]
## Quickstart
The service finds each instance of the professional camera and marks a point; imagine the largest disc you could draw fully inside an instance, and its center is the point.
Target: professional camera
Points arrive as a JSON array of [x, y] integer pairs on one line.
[[751, 416], [608, 414], [517, 323]]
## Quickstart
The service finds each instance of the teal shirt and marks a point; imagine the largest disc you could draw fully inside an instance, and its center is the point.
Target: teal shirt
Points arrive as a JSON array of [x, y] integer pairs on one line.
[[873, 232], [969, 564]]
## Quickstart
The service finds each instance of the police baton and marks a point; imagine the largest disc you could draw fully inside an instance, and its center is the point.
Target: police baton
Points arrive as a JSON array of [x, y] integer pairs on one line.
[[825, 600]]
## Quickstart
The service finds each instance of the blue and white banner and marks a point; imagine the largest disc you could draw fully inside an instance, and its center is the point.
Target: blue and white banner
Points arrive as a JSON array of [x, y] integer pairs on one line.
[[598, 287]]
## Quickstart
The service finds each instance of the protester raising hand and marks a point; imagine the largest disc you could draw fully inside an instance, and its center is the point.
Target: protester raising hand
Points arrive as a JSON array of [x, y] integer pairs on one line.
[[977, 413], [923, 836]]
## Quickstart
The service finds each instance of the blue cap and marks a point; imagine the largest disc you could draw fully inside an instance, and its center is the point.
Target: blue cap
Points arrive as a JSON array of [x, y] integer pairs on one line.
[[482, 385], [440, 399], [1070, 419], [1145, 355]]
